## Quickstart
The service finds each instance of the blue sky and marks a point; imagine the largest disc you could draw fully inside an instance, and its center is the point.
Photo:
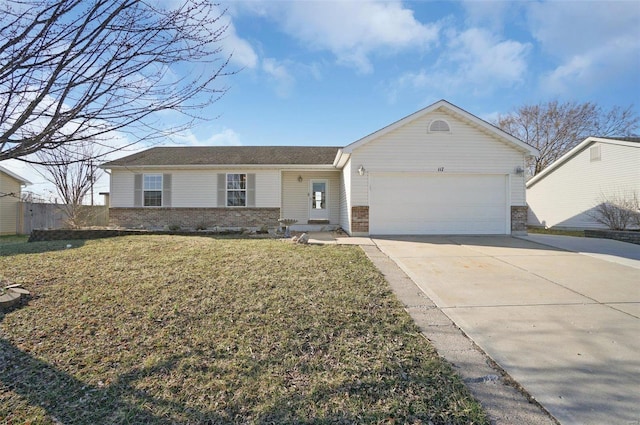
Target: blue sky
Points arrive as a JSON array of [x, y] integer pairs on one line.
[[331, 72], [328, 73]]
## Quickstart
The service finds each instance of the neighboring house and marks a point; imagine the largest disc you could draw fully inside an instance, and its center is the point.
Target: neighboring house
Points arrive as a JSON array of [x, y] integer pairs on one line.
[[566, 193], [10, 193], [440, 170]]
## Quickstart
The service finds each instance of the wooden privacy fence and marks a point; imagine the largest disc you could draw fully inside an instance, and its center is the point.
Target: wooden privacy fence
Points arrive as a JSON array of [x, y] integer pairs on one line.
[[52, 216]]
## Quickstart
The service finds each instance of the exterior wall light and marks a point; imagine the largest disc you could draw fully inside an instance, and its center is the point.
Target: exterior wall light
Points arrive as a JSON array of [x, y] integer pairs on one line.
[[361, 170], [519, 170], [299, 179]]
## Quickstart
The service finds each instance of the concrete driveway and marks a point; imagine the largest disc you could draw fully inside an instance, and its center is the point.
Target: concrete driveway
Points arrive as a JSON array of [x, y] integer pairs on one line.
[[566, 326]]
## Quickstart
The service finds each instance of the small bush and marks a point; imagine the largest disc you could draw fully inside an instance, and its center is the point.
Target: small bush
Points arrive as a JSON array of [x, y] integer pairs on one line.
[[618, 212]]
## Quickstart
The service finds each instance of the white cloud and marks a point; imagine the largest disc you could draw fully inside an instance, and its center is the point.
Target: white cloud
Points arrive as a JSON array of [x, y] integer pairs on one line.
[[569, 28], [595, 68], [480, 57], [227, 137], [474, 61], [279, 75], [591, 43], [489, 13], [241, 52], [232, 44], [353, 31]]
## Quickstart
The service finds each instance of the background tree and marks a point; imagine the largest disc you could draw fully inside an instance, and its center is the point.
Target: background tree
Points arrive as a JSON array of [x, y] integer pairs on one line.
[[72, 70], [554, 128], [72, 170]]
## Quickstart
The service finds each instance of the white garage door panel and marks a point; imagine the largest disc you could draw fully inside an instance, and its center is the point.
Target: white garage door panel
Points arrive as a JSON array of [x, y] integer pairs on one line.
[[403, 204]]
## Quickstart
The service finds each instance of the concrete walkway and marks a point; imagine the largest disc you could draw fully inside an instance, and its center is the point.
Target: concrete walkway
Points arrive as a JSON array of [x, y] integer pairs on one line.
[[605, 249], [501, 397], [564, 325]]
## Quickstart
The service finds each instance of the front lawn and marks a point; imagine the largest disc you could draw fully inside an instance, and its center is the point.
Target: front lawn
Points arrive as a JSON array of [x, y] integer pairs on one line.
[[168, 329]]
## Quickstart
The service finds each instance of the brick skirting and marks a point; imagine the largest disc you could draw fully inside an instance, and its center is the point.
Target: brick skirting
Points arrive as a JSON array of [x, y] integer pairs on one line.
[[360, 219], [519, 219], [39, 235], [618, 235], [193, 218]]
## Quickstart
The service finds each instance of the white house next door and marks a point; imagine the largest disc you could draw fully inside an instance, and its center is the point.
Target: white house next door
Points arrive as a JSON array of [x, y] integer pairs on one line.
[[318, 199]]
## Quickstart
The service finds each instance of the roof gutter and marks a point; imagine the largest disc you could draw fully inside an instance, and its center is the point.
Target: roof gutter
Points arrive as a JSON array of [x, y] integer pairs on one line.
[[219, 166]]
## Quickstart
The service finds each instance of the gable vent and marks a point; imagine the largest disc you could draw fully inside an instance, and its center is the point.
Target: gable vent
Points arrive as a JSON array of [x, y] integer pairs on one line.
[[439, 126], [595, 154]]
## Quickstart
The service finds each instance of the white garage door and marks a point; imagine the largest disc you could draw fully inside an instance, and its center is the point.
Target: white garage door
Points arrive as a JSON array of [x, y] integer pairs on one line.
[[437, 204]]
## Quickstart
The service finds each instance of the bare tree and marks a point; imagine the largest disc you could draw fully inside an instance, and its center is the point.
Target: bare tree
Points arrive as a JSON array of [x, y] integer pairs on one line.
[[554, 128], [618, 212], [73, 70], [72, 170]]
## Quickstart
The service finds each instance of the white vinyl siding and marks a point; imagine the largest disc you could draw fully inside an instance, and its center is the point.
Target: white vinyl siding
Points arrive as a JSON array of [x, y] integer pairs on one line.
[[195, 188], [9, 204], [121, 189], [296, 196], [566, 196], [345, 197], [412, 148]]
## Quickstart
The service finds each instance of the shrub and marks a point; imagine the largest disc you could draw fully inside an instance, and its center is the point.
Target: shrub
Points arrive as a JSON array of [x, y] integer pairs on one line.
[[618, 212]]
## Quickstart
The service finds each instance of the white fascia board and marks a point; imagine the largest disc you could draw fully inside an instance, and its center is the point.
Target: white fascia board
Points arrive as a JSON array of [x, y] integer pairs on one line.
[[22, 180], [612, 141], [573, 152], [341, 159], [225, 166], [519, 144]]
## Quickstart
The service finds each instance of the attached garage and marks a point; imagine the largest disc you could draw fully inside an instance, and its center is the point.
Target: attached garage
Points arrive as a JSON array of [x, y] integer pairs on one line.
[[439, 171], [437, 204]]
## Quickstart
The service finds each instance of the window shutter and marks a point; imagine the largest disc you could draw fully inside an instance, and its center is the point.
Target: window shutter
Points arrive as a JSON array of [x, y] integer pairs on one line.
[[166, 190], [137, 190], [222, 189], [251, 190]]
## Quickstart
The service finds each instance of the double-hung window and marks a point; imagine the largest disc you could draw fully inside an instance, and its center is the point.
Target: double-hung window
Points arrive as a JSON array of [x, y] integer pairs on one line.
[[152, 190], [236, 190]]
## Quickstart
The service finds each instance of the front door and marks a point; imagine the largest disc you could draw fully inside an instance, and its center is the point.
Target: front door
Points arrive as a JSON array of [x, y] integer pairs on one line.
[[318, 199]]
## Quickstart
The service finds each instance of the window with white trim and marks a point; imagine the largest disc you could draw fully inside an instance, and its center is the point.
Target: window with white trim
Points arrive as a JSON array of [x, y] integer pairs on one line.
[[236, 190], [152, 190]]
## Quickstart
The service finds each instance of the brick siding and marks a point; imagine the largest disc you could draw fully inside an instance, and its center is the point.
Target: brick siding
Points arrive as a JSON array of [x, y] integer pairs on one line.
[[519, 219], [360, 219], [39, 235], [193, 218]]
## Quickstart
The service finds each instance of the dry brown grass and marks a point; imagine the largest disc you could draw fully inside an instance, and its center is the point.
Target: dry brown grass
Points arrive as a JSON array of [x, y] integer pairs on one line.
[[167, 329]]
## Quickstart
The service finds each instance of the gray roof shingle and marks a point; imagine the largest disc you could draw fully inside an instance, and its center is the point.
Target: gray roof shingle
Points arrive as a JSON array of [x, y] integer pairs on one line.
[[229, 155]]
